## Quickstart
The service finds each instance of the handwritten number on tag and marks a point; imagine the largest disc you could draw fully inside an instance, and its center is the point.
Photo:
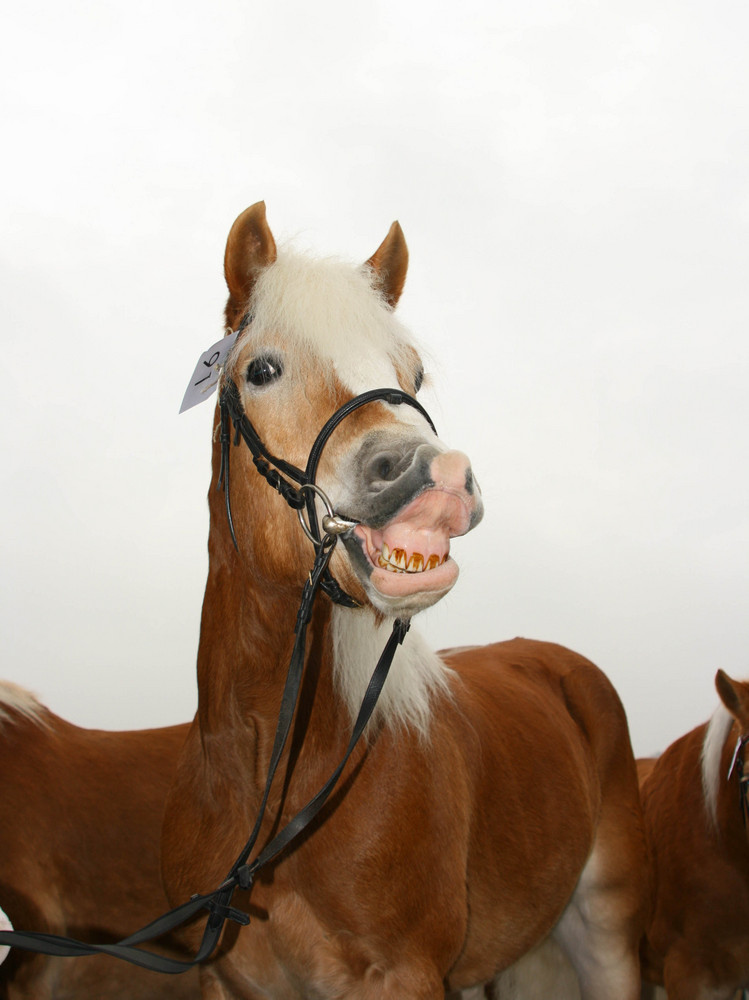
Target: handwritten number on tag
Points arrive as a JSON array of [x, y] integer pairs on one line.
[[209, 365], [211, 360]]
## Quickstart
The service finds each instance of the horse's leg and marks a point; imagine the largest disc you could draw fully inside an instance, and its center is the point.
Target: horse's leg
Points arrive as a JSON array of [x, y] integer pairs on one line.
[[403, 984], [685, 979], [603, 954], [543, 973], [600, 928], [214, 987], [35, 980]]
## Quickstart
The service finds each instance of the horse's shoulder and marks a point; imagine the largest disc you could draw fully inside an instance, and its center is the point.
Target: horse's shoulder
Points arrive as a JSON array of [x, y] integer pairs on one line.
[[671, 789]]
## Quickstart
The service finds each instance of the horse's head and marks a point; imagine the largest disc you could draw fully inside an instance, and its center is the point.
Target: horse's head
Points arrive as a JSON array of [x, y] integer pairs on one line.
[[317, 335], [735, 698]]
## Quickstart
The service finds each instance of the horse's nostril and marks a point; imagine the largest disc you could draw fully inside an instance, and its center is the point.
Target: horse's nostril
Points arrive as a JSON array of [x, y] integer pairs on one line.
[[384, 468]]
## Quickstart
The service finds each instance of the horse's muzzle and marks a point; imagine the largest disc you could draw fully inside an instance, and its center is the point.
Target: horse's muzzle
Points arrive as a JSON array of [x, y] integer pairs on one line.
[[413, 498]]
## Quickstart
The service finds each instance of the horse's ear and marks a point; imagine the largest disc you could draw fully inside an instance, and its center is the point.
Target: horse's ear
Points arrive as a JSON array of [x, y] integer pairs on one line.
[[734, 695], [249, 248], [389, 264]]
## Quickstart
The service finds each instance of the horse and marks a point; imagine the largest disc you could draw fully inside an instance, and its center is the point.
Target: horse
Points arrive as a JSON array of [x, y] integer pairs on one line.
[[492, 800], [80, 825], [696, 943]]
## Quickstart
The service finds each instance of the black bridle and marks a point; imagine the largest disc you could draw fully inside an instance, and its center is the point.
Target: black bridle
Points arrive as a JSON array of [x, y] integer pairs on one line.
[[243, 872], [274, 469], [737, 764]]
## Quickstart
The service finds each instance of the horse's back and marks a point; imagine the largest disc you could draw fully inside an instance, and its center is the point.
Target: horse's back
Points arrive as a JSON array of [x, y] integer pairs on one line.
[[80, 827], [555, 698]]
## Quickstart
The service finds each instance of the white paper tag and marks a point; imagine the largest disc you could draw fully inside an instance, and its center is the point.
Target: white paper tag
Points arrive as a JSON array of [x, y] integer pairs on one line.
[[207, 372]]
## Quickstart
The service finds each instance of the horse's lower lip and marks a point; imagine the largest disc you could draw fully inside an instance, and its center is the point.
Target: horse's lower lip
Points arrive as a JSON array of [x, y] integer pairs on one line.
[[402, 572], [394, 585], [409, 555]]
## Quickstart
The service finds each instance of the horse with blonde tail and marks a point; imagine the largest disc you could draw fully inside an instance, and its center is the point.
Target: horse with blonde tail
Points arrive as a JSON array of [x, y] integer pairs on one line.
[[491, 802]]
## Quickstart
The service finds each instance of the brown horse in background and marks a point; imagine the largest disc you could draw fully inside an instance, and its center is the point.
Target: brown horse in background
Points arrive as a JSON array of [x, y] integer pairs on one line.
[[80, 822], [694, 801], [493, 803]]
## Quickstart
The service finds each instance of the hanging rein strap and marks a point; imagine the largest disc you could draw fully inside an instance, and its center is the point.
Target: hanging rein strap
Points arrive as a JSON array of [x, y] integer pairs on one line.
[[243, 872]]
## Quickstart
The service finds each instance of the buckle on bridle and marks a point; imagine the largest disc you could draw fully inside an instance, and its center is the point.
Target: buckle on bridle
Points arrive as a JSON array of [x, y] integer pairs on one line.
[[332, 523]]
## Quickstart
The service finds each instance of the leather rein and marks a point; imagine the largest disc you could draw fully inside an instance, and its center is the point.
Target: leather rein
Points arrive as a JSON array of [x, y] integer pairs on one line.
[[278, 473]]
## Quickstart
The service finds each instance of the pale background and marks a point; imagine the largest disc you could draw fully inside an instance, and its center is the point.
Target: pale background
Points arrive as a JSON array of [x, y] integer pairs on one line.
[[573, 181]]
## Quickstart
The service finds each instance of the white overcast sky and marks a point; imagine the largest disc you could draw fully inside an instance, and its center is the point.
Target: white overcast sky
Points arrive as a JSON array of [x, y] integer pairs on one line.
[[573, 182]]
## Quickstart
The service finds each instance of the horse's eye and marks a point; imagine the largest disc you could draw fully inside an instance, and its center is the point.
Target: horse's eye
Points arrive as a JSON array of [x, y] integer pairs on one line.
[[418, 380], [261, 371]]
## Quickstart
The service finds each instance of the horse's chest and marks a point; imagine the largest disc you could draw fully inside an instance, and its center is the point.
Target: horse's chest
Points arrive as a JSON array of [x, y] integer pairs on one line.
[[290, 955], [302, 948]]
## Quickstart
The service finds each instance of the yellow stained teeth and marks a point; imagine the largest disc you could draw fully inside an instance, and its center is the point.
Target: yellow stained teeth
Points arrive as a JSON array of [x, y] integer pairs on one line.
[[398, 561]]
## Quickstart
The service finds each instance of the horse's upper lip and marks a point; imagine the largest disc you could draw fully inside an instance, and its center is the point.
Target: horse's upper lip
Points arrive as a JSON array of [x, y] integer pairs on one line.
[[417, 540]]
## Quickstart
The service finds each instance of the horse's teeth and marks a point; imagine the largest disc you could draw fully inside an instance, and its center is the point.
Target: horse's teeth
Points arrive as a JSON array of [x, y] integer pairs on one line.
[[416, 563], [398, 562]]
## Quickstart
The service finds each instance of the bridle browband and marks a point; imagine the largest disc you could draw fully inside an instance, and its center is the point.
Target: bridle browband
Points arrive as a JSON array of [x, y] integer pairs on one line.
[[243, 873]]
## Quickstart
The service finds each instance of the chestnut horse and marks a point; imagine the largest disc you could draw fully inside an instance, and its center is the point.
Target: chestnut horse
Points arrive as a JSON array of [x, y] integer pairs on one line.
[[80, 820], [694, 801], [493, 801]]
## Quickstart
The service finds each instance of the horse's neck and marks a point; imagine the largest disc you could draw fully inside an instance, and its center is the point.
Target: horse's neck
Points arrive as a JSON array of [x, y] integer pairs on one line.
[[721, 789], [246, 644], [713, 752]]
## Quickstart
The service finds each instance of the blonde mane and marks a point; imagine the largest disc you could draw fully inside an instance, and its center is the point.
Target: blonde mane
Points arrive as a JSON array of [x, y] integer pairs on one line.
[[330, 310], [712, 752], [15, 701], [417, 676]]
